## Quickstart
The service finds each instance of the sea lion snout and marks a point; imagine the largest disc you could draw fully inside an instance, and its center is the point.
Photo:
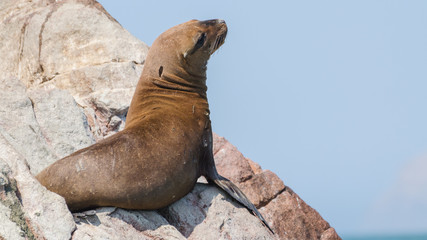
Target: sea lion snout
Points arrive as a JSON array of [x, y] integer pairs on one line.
[[221, 31], [212, 22]]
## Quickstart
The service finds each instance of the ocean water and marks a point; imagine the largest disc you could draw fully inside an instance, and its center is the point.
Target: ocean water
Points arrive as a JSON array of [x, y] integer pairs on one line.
[[389, 237]]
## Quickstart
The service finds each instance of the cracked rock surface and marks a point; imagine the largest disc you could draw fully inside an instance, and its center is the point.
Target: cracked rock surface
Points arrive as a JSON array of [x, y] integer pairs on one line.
[[68, 74]]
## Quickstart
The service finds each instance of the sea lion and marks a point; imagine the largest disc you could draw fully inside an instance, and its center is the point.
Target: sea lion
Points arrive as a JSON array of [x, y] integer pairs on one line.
[[166, 144]]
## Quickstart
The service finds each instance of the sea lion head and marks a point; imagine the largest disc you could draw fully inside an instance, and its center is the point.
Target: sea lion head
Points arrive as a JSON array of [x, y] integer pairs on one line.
[[202, 41], [180, 54]]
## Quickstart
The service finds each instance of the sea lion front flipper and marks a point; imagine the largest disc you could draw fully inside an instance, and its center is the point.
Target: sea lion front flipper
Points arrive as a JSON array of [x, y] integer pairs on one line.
[[211, 174]]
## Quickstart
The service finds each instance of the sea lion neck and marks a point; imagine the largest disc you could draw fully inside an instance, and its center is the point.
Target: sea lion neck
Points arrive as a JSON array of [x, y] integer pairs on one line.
[[176, 76], [178, 91], [153, 101]]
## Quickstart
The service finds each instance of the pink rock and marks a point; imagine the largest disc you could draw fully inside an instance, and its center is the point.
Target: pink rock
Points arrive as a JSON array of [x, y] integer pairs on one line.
[[230, 162], [262, 188], [291, 218], [330, 234], [288, 215], [218, 142], [256, 168]]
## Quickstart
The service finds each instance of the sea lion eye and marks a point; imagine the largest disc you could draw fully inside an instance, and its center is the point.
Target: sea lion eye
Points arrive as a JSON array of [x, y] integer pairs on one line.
[[200, 41]]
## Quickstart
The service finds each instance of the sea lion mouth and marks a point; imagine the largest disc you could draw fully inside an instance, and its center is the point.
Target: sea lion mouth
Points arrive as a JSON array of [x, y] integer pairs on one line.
[[219, 41]]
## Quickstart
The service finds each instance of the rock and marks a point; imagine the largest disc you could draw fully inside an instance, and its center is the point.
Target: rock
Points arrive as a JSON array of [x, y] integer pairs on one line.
[[72, 45], [292, 218], [329, 234], [28, 204], [69, 121], [256, 168], [68, 74], [257, 192], [11, 214], [227, 153], [208, 213], [115, 223], [19, 126]]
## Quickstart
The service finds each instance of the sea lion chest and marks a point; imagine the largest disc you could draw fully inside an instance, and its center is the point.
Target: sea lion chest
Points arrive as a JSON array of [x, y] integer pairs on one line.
[[162, 154]]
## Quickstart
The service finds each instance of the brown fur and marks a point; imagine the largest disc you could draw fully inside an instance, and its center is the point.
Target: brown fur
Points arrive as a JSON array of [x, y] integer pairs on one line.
[[167, 142]]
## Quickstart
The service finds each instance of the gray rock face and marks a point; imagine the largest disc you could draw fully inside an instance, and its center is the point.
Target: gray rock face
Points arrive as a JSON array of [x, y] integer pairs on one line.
[[68, 74], [217, 216], [76, 46], [59, 117], [29, 210], [19, 126], [116, 223]]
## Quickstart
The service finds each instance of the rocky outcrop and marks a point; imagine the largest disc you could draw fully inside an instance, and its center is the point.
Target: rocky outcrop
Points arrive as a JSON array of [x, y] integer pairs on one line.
[[68, 73], [284, 210]]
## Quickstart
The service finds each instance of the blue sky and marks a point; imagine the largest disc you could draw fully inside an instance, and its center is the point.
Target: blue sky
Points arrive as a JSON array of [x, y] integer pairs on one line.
[[330, 95]]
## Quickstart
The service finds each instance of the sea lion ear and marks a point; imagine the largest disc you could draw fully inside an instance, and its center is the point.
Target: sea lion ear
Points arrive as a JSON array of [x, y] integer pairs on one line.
[[200, 41], [160, 71]]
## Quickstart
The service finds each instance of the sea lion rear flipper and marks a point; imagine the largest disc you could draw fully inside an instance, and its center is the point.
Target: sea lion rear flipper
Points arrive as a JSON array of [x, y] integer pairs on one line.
[[211, 174], [237, 194]]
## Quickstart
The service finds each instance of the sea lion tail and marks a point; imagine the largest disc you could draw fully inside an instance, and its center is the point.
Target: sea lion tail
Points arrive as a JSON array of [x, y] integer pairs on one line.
[[237, 194]]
